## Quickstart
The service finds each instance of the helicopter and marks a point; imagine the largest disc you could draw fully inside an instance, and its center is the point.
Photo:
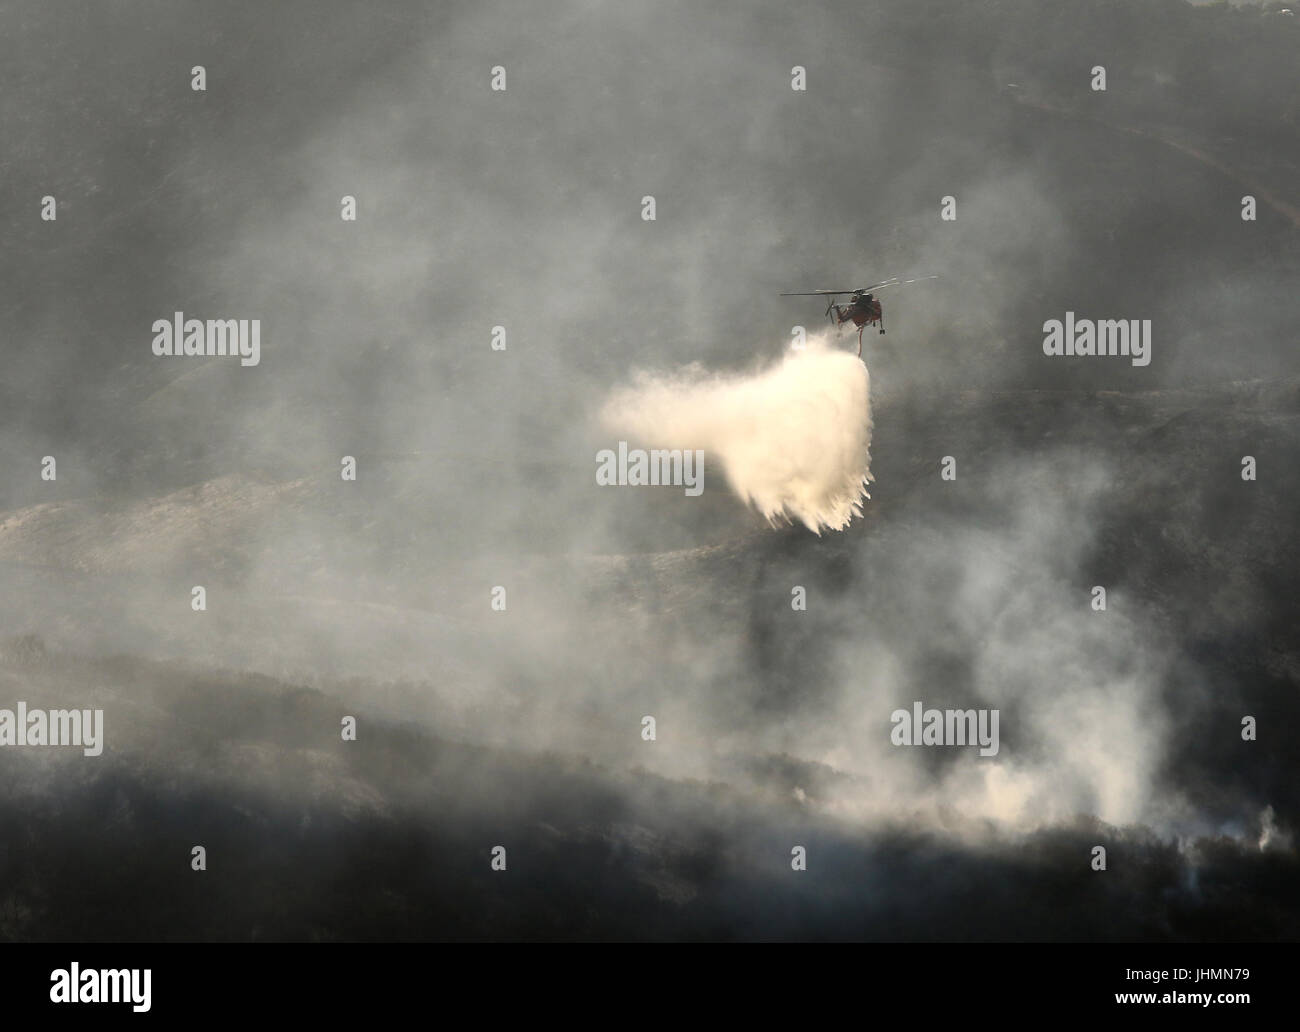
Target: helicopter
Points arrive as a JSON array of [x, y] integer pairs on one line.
[[862, 307]]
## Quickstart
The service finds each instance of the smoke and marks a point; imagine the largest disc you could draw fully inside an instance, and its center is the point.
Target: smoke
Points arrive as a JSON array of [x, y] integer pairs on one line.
[[793, 438]]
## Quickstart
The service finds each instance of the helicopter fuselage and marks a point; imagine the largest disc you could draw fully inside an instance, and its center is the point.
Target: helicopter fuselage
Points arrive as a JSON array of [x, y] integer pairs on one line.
[[861, 310]]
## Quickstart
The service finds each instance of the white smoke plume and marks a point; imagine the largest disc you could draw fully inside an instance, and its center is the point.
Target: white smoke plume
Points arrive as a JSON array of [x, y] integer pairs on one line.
[[793, 439]]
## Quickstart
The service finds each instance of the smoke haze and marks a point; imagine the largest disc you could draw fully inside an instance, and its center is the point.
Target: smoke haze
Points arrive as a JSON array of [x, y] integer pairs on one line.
[[520, 723]]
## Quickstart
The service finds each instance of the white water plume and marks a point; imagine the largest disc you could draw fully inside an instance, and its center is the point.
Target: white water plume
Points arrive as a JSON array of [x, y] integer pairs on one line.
[[793, 439]]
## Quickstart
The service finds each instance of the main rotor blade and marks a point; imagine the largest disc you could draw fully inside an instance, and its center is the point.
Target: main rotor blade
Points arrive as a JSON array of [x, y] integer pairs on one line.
[[901, 283], [860, 290], [892, 282]]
